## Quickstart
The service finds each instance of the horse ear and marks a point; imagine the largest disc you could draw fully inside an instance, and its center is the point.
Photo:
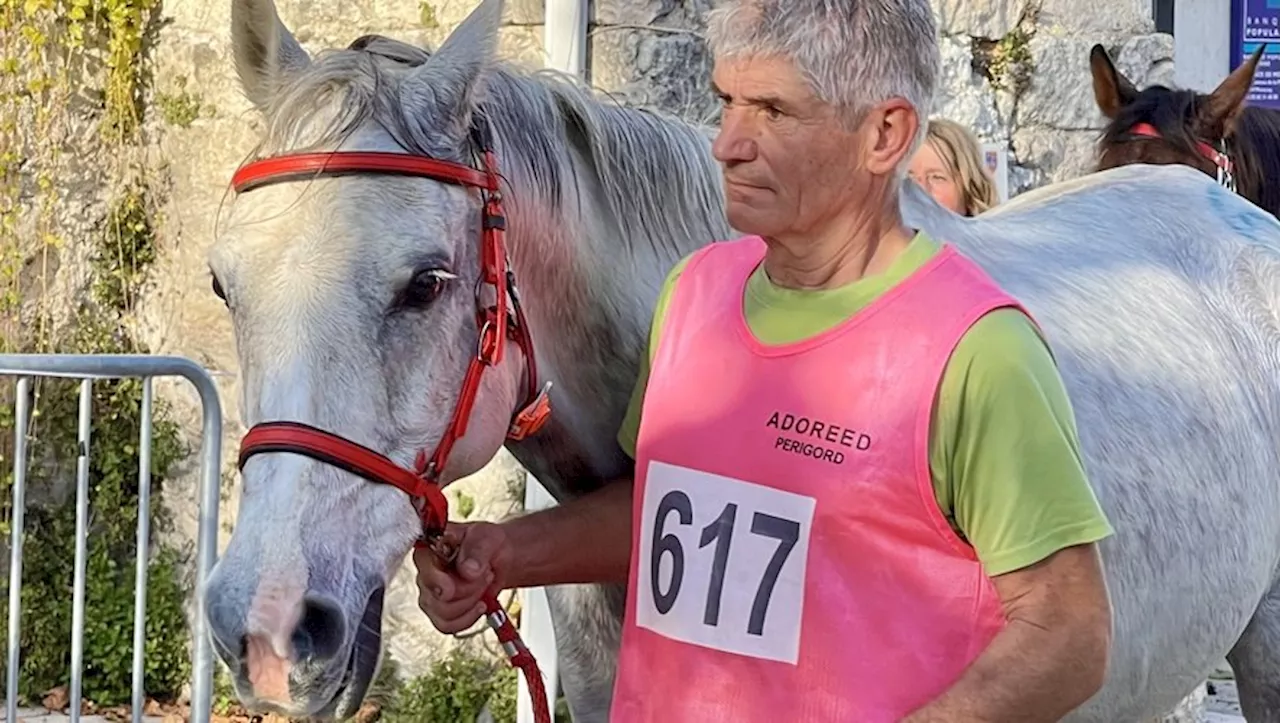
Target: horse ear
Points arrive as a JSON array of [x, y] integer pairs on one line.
[[266, 53], [1220, 110], [1111, 90], [445, 88]]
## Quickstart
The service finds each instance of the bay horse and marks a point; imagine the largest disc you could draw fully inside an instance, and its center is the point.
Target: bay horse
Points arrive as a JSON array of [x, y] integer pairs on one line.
[[369, 289], [1217, 133]]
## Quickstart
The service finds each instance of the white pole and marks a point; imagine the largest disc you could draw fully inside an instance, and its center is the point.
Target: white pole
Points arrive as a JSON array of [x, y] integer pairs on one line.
[[1201, 43], [535, 621], [565, 44], [565, 35]]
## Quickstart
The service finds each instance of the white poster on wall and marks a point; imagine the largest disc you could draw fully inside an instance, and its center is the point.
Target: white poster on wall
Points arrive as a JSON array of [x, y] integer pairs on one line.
[[996, 158]]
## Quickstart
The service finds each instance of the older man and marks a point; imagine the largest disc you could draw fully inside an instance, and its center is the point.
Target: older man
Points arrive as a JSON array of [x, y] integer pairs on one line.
[[858, 491]]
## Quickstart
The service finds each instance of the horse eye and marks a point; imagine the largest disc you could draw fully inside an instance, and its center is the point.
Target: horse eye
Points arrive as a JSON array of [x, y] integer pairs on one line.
[[425, 287], [217, 287]]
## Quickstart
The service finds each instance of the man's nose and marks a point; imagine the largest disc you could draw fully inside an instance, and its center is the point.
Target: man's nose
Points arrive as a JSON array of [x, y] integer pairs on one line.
[[735, 142]]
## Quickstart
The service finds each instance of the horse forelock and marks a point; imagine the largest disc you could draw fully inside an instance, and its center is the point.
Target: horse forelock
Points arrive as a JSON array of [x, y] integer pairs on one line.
[[1172, 113]]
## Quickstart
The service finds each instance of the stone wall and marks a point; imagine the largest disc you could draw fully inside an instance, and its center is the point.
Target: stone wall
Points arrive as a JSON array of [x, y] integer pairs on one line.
[[1017, 73]]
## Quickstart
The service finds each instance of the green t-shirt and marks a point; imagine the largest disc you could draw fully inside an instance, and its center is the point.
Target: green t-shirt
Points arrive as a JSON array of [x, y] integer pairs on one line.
[[1003, 448]]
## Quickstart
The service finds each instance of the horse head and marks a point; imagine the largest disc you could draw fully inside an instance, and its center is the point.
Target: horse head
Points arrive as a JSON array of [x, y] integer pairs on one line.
[[1160, 125], [354, 282]]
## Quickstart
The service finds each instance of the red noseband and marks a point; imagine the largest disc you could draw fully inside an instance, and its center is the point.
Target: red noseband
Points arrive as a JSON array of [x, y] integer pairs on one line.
[[298, 438]]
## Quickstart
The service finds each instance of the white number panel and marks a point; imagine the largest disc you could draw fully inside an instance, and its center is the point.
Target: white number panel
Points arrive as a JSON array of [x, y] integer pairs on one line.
[[722, 562]]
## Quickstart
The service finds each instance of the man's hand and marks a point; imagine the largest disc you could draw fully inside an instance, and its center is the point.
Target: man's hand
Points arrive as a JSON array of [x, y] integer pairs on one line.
[[1052, 655], [581, 541], [451, 596]]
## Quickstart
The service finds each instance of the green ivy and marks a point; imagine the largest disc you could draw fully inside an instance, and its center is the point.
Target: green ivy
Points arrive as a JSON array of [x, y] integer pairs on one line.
[[41, 41], [120, 264]]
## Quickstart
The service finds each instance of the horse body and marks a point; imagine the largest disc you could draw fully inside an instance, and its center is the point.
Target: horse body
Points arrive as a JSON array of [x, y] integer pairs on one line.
[[1159, 293], [1168, 339]]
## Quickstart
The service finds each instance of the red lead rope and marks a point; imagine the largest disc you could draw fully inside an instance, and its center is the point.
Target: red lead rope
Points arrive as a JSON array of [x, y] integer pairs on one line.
[[519, 656], [512, 644]]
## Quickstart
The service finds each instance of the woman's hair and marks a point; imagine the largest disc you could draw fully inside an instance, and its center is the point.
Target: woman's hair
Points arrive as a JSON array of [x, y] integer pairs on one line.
[[958, 148]]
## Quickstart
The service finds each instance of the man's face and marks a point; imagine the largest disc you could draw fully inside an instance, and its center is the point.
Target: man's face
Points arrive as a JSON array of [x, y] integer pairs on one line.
[[789, 164]]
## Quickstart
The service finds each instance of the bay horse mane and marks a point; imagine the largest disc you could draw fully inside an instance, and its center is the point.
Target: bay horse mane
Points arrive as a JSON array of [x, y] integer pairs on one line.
[[1185, 121]]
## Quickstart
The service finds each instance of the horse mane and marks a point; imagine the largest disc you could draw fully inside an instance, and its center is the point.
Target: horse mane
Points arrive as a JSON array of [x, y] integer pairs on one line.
[[653, 171], [1257, 145], [1254, 146]]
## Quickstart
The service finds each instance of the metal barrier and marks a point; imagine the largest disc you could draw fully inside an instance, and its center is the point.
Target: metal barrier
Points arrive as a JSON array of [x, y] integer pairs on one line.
[[88, 368]]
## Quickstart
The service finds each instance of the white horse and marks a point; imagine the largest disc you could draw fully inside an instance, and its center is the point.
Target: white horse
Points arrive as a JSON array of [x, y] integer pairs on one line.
[[352, 299]]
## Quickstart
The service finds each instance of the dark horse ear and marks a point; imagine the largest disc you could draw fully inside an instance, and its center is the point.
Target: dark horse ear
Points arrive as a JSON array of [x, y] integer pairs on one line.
[[1111, 90], [1219, 111]]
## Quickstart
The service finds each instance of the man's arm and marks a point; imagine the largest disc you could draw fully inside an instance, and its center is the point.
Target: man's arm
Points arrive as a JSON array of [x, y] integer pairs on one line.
[[1052, 655], [549, 540], [584, 540], [1009, 464]]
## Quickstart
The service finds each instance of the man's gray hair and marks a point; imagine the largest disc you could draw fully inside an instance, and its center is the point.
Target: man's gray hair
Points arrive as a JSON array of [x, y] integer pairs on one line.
[[854, 53]]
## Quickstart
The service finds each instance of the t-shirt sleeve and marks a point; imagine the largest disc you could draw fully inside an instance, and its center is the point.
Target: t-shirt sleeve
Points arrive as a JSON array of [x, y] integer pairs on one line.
[[629, 432], [1011, 453]]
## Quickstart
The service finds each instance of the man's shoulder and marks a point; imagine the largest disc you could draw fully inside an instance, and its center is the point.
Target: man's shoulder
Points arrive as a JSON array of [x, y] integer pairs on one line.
[[1009, 448], [1002, 341], [742, 244]]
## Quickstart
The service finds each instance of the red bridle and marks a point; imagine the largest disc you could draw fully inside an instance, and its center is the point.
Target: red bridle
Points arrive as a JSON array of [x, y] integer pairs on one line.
[[1219, 158], [497, 321]]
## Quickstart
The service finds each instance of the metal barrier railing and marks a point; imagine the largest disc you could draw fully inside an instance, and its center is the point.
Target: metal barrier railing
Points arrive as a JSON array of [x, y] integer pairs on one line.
[[88, 368]]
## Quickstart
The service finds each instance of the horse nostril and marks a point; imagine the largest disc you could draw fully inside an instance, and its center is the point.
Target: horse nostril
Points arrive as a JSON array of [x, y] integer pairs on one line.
[[320, 633]]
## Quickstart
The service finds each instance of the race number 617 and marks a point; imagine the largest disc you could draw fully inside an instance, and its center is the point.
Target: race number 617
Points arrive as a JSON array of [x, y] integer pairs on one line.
[[720, 532], [721, 562]]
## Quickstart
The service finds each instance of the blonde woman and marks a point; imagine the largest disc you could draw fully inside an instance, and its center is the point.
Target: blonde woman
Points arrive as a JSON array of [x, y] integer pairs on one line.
[[949, 166]]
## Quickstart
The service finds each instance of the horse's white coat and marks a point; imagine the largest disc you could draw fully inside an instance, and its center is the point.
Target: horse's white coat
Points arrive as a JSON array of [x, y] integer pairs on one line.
[[1159, 293]]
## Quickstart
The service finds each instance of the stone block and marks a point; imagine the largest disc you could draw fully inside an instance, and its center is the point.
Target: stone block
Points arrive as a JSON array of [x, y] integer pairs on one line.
[[1146, 59], [991, 19], [524, 12], [655, 69], [1097, 19], [1061, 91], [666, 13], [964, 96], [1049, 155]]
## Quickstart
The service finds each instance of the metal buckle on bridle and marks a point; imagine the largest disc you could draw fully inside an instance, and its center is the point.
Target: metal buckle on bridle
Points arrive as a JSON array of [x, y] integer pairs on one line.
[[1223, 161]]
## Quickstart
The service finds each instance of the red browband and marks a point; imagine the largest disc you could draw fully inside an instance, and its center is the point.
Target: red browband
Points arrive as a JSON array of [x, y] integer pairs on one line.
[[1213, 155], [298, 167]]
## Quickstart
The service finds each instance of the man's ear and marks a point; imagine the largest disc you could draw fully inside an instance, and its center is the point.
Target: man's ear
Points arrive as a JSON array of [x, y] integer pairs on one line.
[[892, 127]]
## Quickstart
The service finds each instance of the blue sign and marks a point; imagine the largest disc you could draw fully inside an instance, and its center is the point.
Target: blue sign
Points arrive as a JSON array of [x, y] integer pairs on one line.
[[1254, 22]]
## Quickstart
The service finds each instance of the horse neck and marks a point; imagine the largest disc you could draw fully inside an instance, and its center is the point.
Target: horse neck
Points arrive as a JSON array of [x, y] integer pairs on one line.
[[1258, 156], [590, 267]]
